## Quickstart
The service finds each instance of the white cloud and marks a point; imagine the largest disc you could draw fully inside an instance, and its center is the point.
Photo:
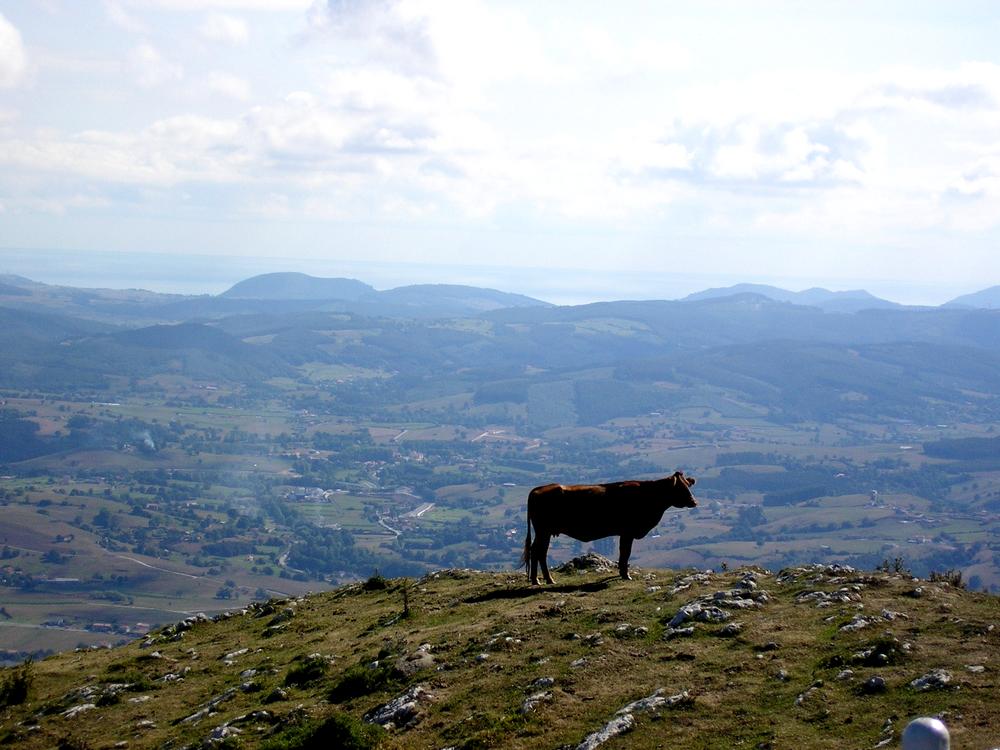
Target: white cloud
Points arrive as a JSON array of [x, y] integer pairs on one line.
[[13, 60], [228, 85], [203, 5], [468, 44], [385, 92], [121, 18], [611, 57], [427, 108], [150, 68], [388, 33], [271, 205], [476, 44], [226, 29], [58, 205]]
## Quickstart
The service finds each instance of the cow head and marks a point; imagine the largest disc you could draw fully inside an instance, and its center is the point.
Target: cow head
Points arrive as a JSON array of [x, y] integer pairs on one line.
[[680, 496]]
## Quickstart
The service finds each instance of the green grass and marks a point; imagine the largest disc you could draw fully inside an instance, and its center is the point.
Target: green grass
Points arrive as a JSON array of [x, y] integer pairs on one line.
[[323, 655]]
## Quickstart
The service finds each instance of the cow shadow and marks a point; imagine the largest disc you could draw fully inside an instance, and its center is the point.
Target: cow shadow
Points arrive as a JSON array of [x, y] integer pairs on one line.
[[522, 592]]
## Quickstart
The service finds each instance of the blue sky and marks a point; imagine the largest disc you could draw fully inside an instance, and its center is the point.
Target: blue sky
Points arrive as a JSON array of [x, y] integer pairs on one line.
[[837, 144]]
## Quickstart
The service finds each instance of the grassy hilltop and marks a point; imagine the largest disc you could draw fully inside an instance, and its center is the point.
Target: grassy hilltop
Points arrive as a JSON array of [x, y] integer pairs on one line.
[[811, 657]]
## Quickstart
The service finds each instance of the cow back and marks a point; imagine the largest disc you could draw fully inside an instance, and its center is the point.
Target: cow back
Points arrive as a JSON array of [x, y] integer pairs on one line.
[[589, 512]]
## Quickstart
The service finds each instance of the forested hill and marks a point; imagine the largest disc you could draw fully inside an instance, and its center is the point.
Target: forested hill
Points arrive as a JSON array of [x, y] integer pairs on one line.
[[268, 294], [794, 360], [287, 286]]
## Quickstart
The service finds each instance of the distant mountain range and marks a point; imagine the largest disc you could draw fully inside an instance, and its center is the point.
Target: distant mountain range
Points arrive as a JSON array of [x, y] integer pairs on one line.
[[298, 286], [846, 301], [466, 299], [265, 294], [987, 298], [292, 292], [786, 356], [446, 298]]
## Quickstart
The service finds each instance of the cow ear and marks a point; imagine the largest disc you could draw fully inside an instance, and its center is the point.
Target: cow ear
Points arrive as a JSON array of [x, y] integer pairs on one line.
[[690, 481]]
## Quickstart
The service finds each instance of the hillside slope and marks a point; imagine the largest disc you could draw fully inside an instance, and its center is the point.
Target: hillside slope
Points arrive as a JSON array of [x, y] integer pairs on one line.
[[986, 298], [290, 285], [852, 300], [817, 657]]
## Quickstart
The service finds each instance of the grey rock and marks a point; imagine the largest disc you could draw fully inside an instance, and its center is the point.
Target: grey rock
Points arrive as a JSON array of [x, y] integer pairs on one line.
[[859, 622], [712, 614], [534, 700], [874, 685], [617, 726], [671, 633], [687, 612], [624, 719], [75, 711], [591, 562], [401, 712], [231, 657], [221, 734], [936, 679], [415, 662], [654, 702]]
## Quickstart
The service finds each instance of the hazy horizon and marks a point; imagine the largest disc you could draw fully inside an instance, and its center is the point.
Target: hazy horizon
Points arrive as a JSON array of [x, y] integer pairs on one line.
[[657, 148], [183, 273]]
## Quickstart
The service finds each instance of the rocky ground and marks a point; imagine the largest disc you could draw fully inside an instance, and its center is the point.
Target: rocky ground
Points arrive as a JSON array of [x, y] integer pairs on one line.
[[811, 657]]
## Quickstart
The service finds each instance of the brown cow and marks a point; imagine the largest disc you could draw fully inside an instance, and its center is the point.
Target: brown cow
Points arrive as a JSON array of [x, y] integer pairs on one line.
[[591, 511]]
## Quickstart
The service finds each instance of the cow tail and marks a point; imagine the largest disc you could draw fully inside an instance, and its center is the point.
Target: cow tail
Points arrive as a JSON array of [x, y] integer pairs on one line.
[[526, 555]]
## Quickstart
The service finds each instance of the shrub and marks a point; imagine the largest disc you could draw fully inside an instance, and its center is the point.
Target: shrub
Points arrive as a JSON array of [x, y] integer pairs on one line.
[[376, 583], [310, 669], [363, 680], [16, 684], [70, 742], [952, 577], [338, 731], [880, 653]]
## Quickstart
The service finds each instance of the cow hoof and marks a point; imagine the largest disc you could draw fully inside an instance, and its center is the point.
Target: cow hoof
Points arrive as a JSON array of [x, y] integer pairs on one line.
[[625, 576], [549, 580], [534, 582]]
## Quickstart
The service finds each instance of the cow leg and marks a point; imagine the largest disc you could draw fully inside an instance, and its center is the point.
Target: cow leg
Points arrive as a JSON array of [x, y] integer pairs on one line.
[[624, 551], [533, 577], [539, 555]]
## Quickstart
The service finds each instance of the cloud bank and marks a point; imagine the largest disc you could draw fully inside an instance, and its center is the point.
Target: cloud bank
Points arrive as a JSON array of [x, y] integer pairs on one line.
[[13, 60], [422, 113]]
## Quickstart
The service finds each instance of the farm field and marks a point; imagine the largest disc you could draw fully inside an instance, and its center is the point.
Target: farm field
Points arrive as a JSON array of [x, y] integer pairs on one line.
[[142, 538], [199, 466]]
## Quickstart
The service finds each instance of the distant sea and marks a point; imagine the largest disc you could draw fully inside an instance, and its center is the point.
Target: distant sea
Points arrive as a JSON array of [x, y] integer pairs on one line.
[[181, 273]]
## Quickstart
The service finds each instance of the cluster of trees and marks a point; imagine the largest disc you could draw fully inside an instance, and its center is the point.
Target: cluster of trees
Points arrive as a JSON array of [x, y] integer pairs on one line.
[[324, 551]]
